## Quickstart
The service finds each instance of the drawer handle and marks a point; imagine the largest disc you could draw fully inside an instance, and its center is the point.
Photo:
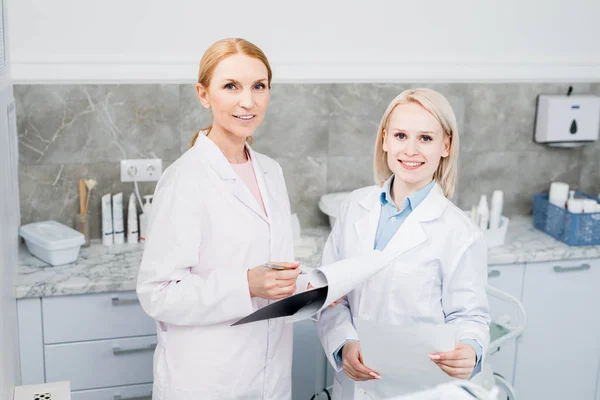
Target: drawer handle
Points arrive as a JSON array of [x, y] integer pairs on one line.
[[582, 267], [117, 350], [493, 273], [142, 397], [116, 301]]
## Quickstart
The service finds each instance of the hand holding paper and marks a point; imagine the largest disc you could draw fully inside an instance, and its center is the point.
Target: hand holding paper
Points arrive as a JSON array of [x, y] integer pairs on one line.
[[401, 355], [458, 363]]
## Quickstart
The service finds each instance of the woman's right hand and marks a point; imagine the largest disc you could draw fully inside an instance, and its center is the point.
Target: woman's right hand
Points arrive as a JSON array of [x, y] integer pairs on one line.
[[272, 284], [352, 361]]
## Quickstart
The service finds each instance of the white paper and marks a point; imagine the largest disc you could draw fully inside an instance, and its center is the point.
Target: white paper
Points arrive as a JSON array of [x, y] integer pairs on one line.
[[340, 277], [400, 355]]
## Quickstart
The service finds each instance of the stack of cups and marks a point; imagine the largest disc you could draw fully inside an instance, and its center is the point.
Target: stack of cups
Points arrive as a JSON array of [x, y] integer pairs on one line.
[[559, 194]]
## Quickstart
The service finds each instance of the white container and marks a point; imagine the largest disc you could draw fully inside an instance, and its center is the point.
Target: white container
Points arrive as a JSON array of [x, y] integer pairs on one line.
[[559, 194], [496, 237], [117, 213], [567, 121], [52, 242], [496, 209], [144, 217], [107, 220], [132, 221], [483, 213]]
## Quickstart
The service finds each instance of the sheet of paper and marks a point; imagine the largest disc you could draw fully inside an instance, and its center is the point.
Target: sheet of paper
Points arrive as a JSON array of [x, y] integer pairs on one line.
[[400, 355], [331, 282]]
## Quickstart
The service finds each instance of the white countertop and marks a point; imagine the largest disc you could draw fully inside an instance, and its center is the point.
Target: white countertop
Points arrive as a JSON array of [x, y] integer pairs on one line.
[[105, 269]]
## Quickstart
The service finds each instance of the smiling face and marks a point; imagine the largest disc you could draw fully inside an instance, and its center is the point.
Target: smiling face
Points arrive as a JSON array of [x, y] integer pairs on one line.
[[414, 142], [238, 95]]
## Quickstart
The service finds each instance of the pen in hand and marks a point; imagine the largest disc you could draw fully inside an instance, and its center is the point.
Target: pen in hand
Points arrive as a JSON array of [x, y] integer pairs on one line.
[[279, 267]]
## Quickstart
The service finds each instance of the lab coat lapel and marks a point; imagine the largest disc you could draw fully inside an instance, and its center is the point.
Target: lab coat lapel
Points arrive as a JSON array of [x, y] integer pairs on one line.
[[366, 225], [411, 234], [218, 162], [265, 180]]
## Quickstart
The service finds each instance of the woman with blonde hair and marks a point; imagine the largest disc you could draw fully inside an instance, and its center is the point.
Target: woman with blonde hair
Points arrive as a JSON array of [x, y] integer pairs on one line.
[[220, 221], [438, 271]]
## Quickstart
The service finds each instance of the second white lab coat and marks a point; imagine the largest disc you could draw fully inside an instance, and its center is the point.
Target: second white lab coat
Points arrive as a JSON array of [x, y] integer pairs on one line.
[[206, 230], [437, 274]]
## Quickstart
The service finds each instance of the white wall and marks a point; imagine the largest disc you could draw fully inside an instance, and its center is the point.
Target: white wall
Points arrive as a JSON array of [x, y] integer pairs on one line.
[[308, 41]]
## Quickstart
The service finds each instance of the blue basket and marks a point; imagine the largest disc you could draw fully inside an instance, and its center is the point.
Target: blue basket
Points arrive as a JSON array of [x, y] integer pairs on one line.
[[573, 229]]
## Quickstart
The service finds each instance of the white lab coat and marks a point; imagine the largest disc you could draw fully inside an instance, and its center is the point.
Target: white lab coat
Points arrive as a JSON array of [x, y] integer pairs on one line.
[[206, 230], [437, 274]]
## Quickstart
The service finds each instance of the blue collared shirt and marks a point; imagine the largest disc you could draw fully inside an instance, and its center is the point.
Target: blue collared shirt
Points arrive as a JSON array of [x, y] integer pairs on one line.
[[390, 220]]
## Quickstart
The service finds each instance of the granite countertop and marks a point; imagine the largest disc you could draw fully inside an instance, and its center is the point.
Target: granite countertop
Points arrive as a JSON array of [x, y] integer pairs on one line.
[[105, 269]]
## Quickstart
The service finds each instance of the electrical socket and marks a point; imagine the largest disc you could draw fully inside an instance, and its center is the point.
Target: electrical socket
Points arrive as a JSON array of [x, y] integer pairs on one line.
[[146, 170]]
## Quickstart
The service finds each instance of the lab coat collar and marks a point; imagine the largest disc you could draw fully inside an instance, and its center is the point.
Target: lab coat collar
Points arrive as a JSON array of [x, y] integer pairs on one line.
[[410, 234], [215, 158]]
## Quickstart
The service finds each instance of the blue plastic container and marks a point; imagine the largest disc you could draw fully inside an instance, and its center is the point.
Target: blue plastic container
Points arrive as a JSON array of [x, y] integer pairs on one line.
[[573, 229]]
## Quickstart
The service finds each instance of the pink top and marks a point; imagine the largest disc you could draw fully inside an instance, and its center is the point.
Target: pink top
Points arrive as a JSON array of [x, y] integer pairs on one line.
[[246, 172]]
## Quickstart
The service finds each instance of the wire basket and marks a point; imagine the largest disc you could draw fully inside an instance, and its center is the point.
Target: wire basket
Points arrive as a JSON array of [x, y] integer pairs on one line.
[[561, 224]]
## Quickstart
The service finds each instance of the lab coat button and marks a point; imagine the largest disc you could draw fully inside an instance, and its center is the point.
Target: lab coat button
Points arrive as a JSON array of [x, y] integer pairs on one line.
[[393, 219]]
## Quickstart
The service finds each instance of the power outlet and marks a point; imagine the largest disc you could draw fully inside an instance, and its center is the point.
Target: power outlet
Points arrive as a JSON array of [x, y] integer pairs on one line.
[[147, 170]]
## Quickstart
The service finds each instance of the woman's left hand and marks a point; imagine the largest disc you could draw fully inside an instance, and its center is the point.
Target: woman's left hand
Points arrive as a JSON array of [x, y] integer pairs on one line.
[[458, 363]]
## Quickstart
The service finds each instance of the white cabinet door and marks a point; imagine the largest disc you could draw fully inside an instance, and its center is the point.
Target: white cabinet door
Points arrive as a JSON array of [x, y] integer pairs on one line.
[[101, 363], [559, 351], [509, 279]]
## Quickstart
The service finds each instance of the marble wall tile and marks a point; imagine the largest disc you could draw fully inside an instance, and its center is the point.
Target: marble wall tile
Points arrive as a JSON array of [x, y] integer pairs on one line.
[[345, 174], [51, 191], [321, 134], [84, 124], [192, 115], [519, 174], [306, 181], [297, 122]]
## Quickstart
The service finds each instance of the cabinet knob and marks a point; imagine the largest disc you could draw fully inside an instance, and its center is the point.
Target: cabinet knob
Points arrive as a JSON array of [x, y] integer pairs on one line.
[[582, 267]]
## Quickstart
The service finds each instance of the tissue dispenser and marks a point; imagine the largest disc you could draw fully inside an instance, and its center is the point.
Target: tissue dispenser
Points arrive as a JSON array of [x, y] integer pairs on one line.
[[567, 121]]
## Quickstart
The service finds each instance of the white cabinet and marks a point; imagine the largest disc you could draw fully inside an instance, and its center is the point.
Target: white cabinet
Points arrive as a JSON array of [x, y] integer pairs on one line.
[[557, 356], [102, 343], [509, 279]]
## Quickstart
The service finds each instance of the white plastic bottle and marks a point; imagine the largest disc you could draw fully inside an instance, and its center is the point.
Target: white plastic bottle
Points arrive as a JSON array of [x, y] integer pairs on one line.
[[132, 221], [483, 213], [496, 209], [144, 216], [117, 212], [107, 220]]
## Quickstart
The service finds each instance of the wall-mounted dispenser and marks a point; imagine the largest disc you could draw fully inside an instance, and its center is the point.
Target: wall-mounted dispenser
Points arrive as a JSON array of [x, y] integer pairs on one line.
[[567, 121]]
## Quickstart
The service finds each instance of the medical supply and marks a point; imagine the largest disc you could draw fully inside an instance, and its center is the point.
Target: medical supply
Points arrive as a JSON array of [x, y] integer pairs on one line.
[[144, 217], [117, 212], [52, 241], [496, 210], [483, 213], [132, 221], [575, 206], [572, 226], [107, 220], [559, 192], [589, 205]]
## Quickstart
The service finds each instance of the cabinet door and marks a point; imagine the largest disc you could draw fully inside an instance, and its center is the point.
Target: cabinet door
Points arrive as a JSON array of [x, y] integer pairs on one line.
[[509, 279], [559, 351]]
